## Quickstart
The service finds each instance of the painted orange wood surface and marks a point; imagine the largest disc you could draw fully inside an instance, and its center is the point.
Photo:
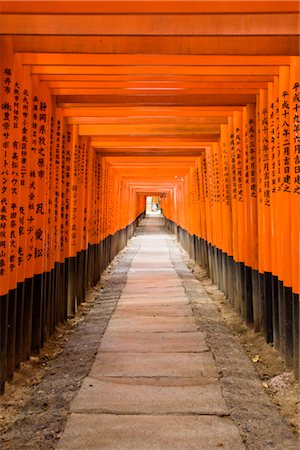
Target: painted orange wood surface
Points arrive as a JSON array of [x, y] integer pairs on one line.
[[104, 103]]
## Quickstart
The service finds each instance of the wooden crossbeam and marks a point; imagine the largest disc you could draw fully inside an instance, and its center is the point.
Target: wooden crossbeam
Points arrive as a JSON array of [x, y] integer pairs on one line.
[[151, 25]]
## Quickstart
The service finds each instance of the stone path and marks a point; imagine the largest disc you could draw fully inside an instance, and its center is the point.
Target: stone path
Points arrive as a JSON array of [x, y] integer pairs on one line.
[[154, 383]]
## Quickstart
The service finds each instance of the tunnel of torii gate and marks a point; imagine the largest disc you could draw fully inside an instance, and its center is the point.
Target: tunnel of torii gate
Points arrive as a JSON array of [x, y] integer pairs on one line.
[[104, 103]]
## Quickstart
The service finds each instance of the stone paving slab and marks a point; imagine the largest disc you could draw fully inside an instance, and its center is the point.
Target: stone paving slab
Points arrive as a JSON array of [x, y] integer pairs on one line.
[[123, 432], [154, 311], [153, 342], [160, 381], [168, 288], [163, 286], [152, 324], [154, 364], [114, 398], [150, 300]]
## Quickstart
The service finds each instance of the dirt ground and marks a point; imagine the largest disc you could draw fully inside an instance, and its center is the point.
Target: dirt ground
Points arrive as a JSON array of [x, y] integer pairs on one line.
[[279, 383], [34, 408], [35, 405]]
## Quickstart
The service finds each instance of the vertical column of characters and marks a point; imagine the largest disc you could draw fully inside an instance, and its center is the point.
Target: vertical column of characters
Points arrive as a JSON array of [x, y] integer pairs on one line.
[[48, 145], [204, 177], [177, 202], [112, 203], [170, 200], [111, 200], [295, 169], [25, 168], [214, 188], [272, 113], [128, 199], [51, 224], [19, 187], [189, 205], [245, 182], [80, 194], [202, 216], [5, 166], [104, 198], [101, 199], [119, 203], [174, 197], [74, 190], [226, 190], [259, 165], [285, 188], [87, 189], [265, 240], [72, 194], [41, 119], [209, 199], [84, 193], [195, 206], [14, 186], [193, 199], [198, 228], [91, 188], [68, 169], [101, 206], [108, 201], [187, 198], [58, 185], [32, 187], [276, 177], [98, 215], [217, 195], [223, 224], [239, 166], [126, 203], [187, 201], [183, 202], [180, 202], [62, 212], [232, 128], [250, 187], [116, 201]]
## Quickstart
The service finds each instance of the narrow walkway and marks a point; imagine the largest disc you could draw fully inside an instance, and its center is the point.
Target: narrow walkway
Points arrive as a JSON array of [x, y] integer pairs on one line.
[[154, 383]]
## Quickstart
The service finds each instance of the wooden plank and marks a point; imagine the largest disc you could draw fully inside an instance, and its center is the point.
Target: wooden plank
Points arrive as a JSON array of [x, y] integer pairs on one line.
[[151, 25], [155, 78], [156, 70], [183, 45], [144, 6], [153, 92], [71, 110], [168, 100], [74, 59], [147, 129], [139, 85], [142, 142], [147, 120]]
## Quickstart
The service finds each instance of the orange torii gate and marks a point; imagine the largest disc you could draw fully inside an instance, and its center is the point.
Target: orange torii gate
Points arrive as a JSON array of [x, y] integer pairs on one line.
[[104, 103]]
